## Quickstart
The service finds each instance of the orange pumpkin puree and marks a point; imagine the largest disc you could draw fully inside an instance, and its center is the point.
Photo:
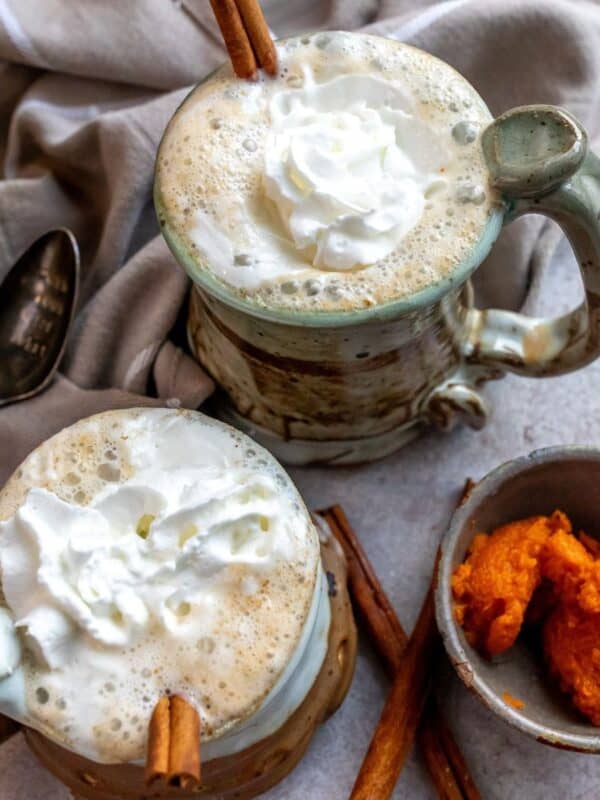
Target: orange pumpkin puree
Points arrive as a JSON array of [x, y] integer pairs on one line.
[[537, 569]]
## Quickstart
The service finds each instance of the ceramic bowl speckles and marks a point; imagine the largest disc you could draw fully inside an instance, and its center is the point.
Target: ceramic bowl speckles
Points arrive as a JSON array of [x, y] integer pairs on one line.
[[567, 478]]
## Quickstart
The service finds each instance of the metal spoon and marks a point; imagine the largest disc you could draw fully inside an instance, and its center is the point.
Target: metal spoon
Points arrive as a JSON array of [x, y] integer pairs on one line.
[[37, 305]]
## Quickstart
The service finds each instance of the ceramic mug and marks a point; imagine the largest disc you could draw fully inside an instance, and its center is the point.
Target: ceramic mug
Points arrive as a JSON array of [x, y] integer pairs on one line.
[[351, 386], [265, 735]]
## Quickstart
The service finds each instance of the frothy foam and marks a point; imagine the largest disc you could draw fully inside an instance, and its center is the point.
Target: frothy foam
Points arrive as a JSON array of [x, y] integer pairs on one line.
[[146, 552], [354, 178]]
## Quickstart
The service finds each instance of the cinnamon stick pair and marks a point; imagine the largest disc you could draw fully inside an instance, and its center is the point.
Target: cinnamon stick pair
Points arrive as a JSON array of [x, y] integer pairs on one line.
[[173, 756], [444, 760], [246, 36]]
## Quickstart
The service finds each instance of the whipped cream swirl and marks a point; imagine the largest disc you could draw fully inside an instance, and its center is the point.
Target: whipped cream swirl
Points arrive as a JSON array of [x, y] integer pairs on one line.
[[147, 554], [349, 167]]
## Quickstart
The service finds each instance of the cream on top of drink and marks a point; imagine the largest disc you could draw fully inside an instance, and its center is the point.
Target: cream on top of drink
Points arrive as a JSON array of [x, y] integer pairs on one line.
[[353, 178], [145, 552], [349, 168]]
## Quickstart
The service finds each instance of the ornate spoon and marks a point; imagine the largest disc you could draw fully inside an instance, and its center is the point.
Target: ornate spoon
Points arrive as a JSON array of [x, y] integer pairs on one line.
[[37, 305]]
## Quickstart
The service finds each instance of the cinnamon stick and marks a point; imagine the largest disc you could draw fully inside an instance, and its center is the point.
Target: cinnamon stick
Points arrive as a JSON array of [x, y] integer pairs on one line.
[[466, 491], [460, 769], [395, 731], [368, 594], [435, 758], [173, 756], [447, 766], [236, 38], [259, 35], [246, 35]]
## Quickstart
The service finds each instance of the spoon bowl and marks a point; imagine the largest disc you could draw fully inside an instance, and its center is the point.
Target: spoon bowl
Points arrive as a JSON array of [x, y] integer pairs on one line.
[[37, 305]]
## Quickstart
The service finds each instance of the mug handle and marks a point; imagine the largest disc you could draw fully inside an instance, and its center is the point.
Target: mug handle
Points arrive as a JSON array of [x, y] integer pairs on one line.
[[539, 160]]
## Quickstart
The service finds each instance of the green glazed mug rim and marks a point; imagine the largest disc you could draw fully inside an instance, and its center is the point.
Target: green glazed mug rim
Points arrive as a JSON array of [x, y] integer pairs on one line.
[[329, 319]]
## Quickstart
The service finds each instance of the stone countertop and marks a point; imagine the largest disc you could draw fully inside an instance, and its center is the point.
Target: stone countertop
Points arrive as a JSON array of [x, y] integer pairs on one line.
[[400, 507]]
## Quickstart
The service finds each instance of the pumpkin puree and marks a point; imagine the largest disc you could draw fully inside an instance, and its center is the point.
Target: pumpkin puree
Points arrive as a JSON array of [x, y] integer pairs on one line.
[[535, 569]]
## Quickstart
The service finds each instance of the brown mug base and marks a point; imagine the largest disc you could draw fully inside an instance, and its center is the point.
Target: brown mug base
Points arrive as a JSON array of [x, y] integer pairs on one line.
[[257, 768]]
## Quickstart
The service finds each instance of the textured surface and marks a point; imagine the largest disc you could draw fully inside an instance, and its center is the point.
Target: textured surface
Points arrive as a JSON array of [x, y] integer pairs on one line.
[[514, 52], [401, 506]]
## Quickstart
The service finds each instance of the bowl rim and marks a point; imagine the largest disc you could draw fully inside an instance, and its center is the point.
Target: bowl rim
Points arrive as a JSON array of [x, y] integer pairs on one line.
[[449, 630]]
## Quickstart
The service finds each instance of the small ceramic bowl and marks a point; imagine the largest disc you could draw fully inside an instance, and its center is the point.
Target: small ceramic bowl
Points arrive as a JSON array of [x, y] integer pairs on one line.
[[567, 478]]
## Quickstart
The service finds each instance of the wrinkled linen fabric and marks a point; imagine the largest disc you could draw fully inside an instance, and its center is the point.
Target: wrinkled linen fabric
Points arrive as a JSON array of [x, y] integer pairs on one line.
[[86, 90]]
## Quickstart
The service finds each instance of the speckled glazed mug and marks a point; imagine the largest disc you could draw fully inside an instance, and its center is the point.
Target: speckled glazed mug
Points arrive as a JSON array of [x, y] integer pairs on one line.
[[351, 386], [254, 768]]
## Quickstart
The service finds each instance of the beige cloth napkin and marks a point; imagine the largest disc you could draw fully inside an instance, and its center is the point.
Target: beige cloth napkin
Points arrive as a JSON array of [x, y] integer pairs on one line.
[[86, 89]]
